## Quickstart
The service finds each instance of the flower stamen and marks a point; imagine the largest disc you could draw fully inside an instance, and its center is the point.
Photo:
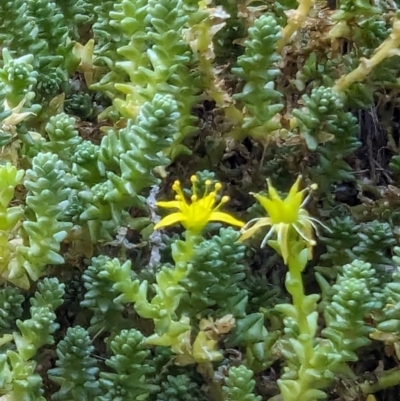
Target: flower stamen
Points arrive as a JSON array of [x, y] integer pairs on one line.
[[267, 237], [195, 214]]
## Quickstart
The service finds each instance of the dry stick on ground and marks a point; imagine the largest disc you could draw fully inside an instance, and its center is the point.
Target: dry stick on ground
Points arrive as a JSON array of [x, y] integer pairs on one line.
[[389, 48], [296, 20]]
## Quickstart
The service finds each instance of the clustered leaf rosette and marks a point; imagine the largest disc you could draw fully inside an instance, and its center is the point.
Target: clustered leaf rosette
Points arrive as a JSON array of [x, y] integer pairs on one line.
[[195, 214], [284, 216]]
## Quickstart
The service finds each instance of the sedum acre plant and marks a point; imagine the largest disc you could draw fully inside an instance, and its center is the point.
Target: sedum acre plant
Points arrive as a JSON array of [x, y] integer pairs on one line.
[[142, 257]]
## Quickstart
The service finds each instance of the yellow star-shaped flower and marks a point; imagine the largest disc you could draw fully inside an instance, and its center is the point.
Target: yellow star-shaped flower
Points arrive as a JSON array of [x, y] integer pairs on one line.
[[195, 214], [284, 215]]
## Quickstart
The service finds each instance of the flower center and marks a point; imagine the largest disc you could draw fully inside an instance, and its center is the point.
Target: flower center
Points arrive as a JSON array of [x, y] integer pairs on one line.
[[284, 213], [198, 212]]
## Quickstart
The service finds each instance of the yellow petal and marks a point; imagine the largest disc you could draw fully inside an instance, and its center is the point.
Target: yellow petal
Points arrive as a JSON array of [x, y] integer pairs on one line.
[[307, 230], [295, 188], [310, 249], [295, 197], [282, 240], [264, 200], [247, 233], [272, 192], [272, 207], [225, 218], [169, 220], [208, 201], [169, 204]]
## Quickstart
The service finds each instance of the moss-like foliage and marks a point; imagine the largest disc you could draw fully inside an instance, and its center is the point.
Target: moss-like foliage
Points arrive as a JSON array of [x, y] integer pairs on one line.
[[240, 385], [180, 388], [130, 369], [212, 187], [213, 280], [76, 369], [258, 67], [100, 297], [11, 301]]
